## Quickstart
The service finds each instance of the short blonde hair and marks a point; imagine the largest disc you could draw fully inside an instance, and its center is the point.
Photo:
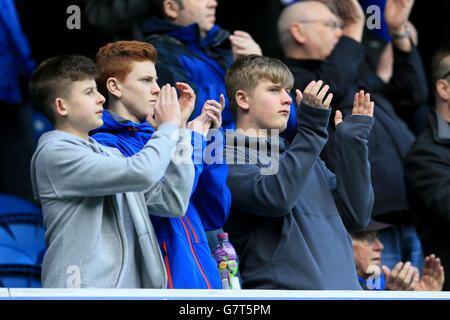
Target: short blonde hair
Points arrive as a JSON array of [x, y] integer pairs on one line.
[[246, 73]]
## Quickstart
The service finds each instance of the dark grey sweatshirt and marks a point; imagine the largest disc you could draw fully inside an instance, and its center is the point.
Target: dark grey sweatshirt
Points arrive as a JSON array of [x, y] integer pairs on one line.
[[290, 228]]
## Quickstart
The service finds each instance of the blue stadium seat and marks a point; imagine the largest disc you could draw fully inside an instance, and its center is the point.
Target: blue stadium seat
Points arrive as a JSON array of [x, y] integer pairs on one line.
[[22, 245]]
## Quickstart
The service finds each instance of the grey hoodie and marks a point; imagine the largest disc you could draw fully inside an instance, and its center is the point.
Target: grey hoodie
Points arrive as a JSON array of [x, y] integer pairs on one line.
[[76, 182]]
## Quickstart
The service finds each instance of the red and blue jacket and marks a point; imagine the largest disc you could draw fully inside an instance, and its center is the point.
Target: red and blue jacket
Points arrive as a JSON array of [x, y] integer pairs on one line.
[[183, 242]]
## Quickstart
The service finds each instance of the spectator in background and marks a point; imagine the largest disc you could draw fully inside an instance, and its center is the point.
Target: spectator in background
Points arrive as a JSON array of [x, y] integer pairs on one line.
[[16, 125], [321, 45], [367, 249], [378, 63], [428, 169], [188, 44]]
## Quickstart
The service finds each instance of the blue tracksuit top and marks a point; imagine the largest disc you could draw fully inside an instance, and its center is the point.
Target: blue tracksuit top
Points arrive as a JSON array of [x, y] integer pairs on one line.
[[182, 241], [184, 56]]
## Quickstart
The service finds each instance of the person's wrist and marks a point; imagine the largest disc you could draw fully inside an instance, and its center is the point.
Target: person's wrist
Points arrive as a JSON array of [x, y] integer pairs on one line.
[[354, 31], [176, 122], [400, 32]]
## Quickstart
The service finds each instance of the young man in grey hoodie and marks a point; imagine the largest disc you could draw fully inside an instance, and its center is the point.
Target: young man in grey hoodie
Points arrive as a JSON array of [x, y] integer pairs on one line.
[[94, 200]]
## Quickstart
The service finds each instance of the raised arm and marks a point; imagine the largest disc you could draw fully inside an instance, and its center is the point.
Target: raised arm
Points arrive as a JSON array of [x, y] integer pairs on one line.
[[75, 170], [340, 69], [408, 84], [170, 196], [354, 194], [275, 194]]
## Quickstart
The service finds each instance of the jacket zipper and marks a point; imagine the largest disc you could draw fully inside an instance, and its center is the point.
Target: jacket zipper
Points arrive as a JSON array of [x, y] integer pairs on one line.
[[166, 262], [193, 252]]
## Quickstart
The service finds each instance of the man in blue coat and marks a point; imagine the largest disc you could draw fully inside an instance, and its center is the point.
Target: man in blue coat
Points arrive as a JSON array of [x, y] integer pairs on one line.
[[127, 72], [190, 49]]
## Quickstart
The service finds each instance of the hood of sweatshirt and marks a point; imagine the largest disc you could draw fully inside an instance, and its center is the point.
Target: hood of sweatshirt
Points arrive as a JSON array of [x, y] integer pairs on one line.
[[114, 123], [114, 126]]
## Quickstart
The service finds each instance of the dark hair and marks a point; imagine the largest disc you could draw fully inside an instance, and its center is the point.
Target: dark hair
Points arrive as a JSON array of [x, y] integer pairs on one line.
[[53, 78], [246, 73]]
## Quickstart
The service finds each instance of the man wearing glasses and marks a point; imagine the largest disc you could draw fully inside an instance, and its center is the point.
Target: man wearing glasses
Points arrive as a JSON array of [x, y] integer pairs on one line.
[[367, 249], [322, 40], [428, 169]]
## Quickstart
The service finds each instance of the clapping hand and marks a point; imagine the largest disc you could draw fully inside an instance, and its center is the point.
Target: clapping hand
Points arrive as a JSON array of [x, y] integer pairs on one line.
[[314, 97], [210, 118], [432, 275], [186, 101], [361, 106], [404, 277], [167, 108], [396, 14]]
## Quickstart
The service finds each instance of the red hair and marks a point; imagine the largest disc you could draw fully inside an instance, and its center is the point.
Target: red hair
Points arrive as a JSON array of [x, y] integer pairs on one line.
[[116, 59]]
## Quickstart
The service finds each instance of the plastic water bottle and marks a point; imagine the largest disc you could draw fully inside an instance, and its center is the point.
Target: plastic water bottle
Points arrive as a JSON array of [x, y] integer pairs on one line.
[[226, 258]]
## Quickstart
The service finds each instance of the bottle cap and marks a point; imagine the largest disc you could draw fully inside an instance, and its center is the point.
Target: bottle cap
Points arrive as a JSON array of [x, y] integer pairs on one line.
[[222, 236]]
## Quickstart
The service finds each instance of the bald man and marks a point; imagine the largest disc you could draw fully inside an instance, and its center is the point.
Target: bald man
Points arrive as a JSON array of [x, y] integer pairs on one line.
[[322, 40], [311, 30]]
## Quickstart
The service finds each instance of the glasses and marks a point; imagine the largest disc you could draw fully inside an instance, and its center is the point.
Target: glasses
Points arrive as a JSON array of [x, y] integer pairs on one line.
[[333, 24]]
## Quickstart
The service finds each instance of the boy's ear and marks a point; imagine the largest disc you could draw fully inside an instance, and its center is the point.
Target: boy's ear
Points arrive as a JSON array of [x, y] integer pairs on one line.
[[113, 86], [60, 107], [296, 30], [242, 100], [171, 9], [442, 89]]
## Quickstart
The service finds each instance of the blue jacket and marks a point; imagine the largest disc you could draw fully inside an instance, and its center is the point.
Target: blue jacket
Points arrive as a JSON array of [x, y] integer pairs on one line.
[[15, 54], [183, 55], [182, 241]]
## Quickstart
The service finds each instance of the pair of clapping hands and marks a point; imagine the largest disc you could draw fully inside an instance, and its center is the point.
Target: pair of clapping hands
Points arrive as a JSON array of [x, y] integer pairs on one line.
[[170, 108], [314, 95], [404, 276]]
